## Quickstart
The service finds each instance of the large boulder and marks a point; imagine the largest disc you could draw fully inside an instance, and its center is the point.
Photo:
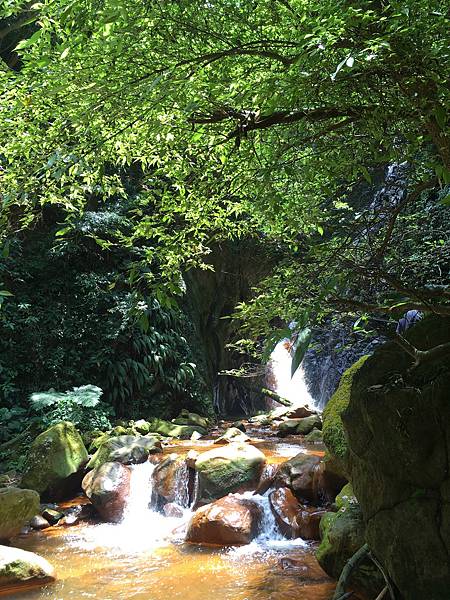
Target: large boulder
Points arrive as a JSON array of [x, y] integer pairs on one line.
[[397, 426], [333, 432], [342, 534], [232, 468], [225, 522], [301, 426], [126, 449], [300, 475], [21, 568], [17, 507], [55, 462], [108, 487]]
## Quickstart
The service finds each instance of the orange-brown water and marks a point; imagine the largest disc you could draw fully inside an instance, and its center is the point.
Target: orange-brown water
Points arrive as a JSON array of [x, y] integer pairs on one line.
[[92, 561]]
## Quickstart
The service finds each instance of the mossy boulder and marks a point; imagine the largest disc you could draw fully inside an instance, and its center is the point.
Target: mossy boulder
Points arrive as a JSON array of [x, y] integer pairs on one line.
[[55, 461], [314, 436], [126, 449], [397, 425], [19, 567], [333, 431], [17, 507], [232, 468], [342, 534], [189, 418], [168, 429]]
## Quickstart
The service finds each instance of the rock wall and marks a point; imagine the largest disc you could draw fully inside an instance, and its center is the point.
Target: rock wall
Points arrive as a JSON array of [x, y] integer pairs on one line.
[[398, 432]]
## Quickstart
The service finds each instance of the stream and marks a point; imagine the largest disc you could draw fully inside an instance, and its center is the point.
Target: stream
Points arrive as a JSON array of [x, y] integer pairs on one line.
[[145, 556]]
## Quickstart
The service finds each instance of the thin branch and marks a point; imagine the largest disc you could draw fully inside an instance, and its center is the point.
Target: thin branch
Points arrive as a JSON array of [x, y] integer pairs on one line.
[[350, 566]]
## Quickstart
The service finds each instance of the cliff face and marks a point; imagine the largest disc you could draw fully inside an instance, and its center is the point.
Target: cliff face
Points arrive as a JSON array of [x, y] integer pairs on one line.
[[398, 432], [211, 298]]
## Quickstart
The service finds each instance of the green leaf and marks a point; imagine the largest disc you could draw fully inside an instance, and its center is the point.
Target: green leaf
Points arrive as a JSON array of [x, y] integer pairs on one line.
[[300, 348]]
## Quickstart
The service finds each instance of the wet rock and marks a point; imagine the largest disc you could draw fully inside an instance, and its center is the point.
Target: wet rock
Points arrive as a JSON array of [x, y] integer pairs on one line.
[[307, 424], [267, 479], [300, 475], [300, 412], [126, 449], [51, 515], [228, 521], [191, 457], [232, 435], [189, 418], [173, 510], [314, 436], [239, 425], [308, 522], [285, 508], [232, 468], [328, 482], [142, 426], [38, 522], [171, 480], [108, 488], [55, 462], [18, 567], [75, 514], [196, 436], [168, 429], [17, 507]]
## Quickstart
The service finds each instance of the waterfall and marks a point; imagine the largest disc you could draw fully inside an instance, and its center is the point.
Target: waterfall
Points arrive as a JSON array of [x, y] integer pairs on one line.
[[292, 388]]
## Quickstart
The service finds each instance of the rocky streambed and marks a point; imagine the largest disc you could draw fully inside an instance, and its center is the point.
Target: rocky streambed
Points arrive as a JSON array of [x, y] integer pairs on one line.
[[233, 515]]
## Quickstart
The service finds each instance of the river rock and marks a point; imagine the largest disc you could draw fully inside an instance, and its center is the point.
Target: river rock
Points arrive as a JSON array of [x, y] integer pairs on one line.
[[232, 435], [126, 449], [168, 429], [285, 508], [172, 509], [171, 480], [142, 426], [299, 412], [232, 468], [55, 462], [225, 522], [38, 522], [308, 522], [17, 507], [300, 475], [108, 487], [19, 567], [307, 424], [193, 419], [239, 425], [314, 436]]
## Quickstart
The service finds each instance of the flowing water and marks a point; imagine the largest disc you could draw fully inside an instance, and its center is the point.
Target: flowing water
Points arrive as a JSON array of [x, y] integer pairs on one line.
[[144, 556]]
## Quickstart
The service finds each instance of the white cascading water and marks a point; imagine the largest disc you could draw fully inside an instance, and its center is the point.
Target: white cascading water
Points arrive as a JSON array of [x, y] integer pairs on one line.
[[292, 388]]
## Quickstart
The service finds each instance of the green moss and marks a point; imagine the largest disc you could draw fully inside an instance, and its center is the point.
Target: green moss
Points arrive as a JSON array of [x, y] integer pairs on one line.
[[333, 430], [54, 455]]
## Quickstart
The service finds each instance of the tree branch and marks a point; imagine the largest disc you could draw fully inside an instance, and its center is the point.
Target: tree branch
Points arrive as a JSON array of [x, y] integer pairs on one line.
[[350, 566]]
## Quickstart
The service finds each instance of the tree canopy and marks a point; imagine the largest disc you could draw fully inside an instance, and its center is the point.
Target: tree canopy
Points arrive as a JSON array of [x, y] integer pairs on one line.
[[274, 119]]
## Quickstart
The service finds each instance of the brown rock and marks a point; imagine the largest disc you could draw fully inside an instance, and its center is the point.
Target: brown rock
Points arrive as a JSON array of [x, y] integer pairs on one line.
[[173, 510], [308, 522], [300, 412], [108, 487], [171, 480], [300, 475], [285, 507], [225, 522]]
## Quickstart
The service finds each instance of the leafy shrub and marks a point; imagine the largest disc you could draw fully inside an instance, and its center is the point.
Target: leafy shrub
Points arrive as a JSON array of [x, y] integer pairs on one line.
[[81, 406]]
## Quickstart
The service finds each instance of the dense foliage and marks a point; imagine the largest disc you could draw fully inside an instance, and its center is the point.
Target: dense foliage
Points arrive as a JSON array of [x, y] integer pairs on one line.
[[247, 119]]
